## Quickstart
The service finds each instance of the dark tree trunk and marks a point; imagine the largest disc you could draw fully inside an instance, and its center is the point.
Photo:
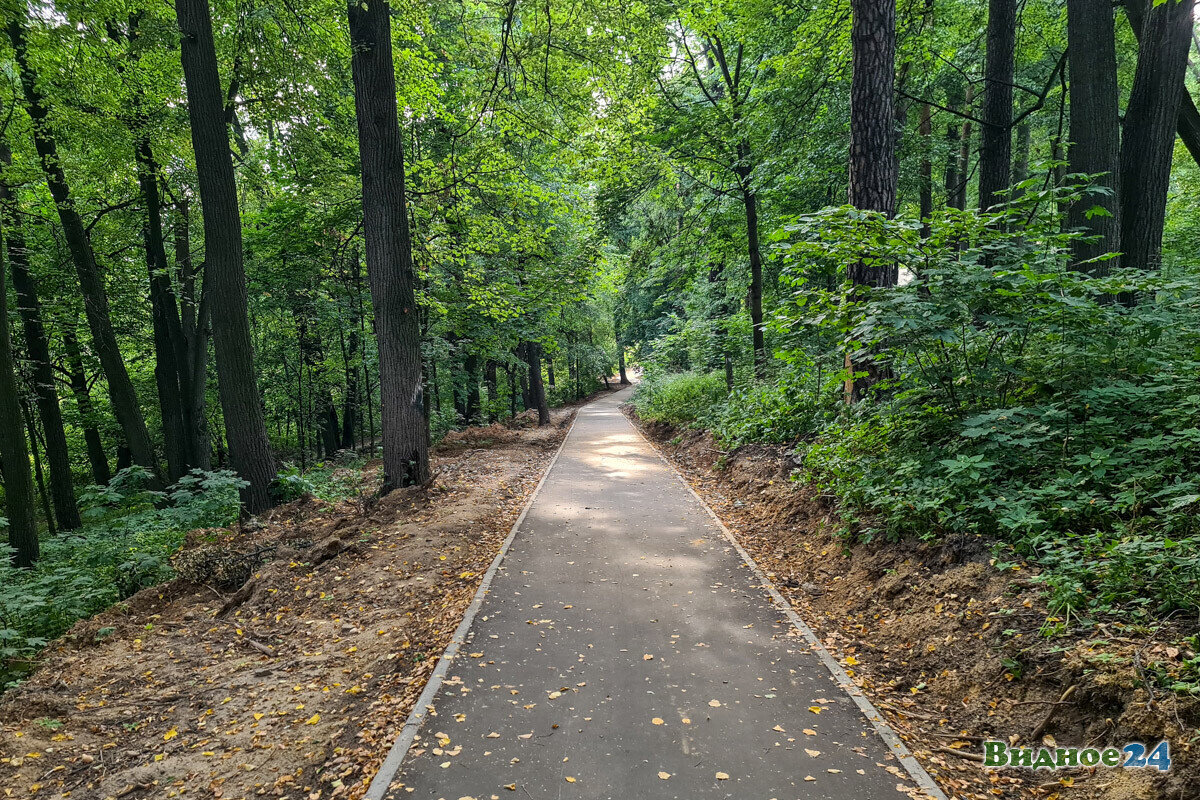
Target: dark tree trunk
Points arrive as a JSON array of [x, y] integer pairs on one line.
[[350, 404], [38, 477], [511, 373], [225, 276], [621, 364], [87, 413], [125, 402], [995, 151], [537, 392], [873, 167], [951, 179], [193, 317], [1151, 119], [550, 371], [926, 177], [750, 202], [29, 307], [1095, 128], [389, 248], [14, 456], [328, 422]]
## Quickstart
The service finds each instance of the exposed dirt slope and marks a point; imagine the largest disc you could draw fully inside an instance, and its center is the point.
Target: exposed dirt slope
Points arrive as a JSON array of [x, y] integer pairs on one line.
[[294, 683], [948, 645]]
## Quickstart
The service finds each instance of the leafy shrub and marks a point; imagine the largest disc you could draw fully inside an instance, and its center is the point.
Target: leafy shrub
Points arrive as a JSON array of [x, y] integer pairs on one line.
[[681, 398]]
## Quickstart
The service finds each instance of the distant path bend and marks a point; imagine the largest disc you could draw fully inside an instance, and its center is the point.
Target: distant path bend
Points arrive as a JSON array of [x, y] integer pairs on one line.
[[626, 650]]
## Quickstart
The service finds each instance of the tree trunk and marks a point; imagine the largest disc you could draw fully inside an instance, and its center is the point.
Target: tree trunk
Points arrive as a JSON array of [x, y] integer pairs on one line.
[[621, 364], [926, 177], [537, 392], [1095, 129], [1151, 120], [750, 202], [490, 383], [124, 397], [29, 307], [389, 248], [225, 277], [193, 316], [350, 404], [18, 483], [873, 166], [31, 428], [471, 366], [995, 152], [964, 155], [87, 414]]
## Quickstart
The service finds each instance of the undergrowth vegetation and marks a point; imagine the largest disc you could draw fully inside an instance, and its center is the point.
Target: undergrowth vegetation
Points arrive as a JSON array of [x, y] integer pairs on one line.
[[125, 545], [1054, 411]]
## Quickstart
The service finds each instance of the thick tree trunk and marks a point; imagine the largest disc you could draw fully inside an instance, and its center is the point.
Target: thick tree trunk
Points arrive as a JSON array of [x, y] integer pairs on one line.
[[1095, 129], [389, 249], [193, 317], [14, 456], [621, 364], [995, 152], [1151, 120], [29, 306], [537, 392], [124, 397], [873, 166], [225, 276]]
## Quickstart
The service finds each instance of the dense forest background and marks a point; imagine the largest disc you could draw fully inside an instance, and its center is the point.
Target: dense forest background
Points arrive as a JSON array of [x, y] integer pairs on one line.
[[946, 249]]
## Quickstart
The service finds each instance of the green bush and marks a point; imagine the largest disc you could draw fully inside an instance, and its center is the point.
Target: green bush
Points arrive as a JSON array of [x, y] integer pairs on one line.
[[681, 398]]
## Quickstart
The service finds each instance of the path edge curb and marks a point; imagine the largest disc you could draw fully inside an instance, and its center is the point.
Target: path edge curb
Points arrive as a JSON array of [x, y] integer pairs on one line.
[[890, 738], [404, 739]]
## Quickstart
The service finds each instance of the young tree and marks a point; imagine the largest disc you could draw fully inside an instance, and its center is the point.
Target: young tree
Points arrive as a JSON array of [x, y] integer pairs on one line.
[[225, 276], [18, 483], [388, 247]]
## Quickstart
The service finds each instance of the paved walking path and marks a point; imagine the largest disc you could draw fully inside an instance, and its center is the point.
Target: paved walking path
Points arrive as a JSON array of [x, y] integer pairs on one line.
[[625, 650]]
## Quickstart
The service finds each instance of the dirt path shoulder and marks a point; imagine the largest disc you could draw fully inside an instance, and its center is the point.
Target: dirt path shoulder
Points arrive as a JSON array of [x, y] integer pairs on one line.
[[287, 663]]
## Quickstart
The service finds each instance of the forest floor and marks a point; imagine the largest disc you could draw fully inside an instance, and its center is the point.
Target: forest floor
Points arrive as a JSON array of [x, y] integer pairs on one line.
[[949, 647], [295, 684]]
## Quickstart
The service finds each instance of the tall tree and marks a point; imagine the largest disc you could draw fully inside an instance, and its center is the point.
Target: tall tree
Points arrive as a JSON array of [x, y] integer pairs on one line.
[[125, 403], [1095, 127], [995, 135], [388, 246], [225, 276], [29, 306], [1151, 120], [873, 169], [18, 483]]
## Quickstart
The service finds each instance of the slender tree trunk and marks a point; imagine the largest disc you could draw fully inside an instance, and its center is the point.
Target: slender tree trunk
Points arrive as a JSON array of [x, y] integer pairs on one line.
[[124, 397], [350, 406], [14, 456], [1151, 120], [750, 202], [873, 166], [951, 173], [225, 276], [621, 364], [537, 392], [77, 377], [995, 152], [964, 155], [38, 477], [473, 399], [389, 248], [193, 317], [926, 169], [29, 307], [550, 372], [1095, 129]]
